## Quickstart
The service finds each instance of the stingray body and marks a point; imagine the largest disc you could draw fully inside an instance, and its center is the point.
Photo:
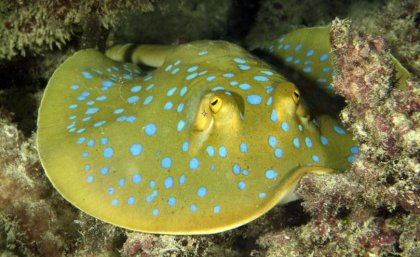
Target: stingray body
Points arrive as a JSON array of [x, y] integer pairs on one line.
[[209, 140]]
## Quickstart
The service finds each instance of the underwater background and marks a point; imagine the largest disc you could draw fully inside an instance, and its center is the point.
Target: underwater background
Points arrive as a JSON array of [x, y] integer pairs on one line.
[[371, 210]]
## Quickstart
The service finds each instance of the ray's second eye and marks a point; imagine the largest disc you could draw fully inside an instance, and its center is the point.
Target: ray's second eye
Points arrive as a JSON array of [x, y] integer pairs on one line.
[[215, 104], [296, 96]]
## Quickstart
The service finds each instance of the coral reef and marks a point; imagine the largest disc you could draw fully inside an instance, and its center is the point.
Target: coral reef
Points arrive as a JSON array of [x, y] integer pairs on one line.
[[37, 26]]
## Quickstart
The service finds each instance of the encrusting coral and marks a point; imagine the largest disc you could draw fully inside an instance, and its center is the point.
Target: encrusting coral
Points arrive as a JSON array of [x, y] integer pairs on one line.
[[37, 26]]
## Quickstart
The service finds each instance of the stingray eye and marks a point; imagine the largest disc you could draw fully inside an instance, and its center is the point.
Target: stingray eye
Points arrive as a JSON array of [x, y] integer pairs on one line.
[[296, 96], [215, 103]]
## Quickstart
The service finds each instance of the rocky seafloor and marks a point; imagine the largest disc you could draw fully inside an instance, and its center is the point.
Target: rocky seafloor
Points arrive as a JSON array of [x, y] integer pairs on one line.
[[370, 210]]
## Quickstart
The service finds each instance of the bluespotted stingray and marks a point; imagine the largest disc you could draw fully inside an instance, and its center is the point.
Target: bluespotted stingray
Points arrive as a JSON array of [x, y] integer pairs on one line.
[[210, 139]]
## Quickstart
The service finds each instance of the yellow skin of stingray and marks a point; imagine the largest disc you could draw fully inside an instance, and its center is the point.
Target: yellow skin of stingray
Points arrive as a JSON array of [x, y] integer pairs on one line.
[[250, 136]]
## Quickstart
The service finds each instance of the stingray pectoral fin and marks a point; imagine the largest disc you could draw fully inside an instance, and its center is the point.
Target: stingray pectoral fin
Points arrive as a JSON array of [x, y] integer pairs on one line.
[[149, 55]]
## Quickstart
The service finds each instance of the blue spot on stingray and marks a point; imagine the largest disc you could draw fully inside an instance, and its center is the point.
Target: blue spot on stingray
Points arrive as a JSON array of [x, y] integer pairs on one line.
[[212, 167], [121, 118], [108, 152], [150, 129], [267, 72], [298, 47], [351, 159], [193, 208], [272, 141], [148, 100], [81, 140], [106, 83], [339, 130], [74, 87], [136, 149], [244, 67], [155, 212], [286, 46], [321, 80], [127, 76], [223, 151], [183, 91], [132, 99], [130, 119], [270, 174], [354, 149], [175, 71], [278, 153], [85, 154], [202, 191], [326, 69], [169, 67], [262, 195], [315, 158], [307, 69], [87, 167], [203, 52], [243, 147], [149, 87], [241, 185], [182, 179], [87, 75], [171, 91], [169, 182], [296, 142], [104, 140], [236, 169], [114, 202], [324, 140], [72, 106], [166, 162], [273, 116], [171, 201], [79, 131], [269, 101], [239, 60], [104, 170], [309, 53], [261, 78], [216, 209], [111, 190], [100, 123], [228, 75], [121, 182], [168, 106], [324, 57], [308, 142], [119, 111], [101, 98], [180, 125], [191, 76], [152, 184], [89, 179], [92, 110], [285, 126], [131, 200], [218, 88], [192, 68], [210, 78], [136, 179], [185, 146], [233, 83], [254, 99], [210, 150], [194, 163], [90, 102], [244, 86], [289, 58], [91, 143]]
